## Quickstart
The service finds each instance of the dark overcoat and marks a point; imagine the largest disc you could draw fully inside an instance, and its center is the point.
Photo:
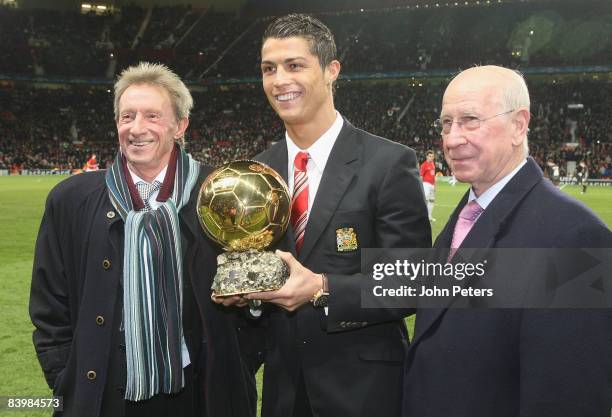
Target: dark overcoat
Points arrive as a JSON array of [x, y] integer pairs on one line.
[[76, 296]]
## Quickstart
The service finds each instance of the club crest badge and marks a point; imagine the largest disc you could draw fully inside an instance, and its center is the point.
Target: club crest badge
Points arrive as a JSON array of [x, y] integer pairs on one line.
[[346, 239]]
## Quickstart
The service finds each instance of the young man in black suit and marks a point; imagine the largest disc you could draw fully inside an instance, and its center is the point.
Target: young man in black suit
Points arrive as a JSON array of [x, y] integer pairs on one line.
[[326, 355], [507, 362]]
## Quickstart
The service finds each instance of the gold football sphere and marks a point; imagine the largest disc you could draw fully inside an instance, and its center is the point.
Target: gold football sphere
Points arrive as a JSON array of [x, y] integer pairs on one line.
[[244, 205]]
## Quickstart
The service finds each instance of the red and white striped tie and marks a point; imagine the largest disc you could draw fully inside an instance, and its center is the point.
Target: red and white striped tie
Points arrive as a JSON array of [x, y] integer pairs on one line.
[[299, 203]]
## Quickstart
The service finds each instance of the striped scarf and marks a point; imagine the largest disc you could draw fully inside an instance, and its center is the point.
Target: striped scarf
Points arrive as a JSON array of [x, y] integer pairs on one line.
[[152, 281]]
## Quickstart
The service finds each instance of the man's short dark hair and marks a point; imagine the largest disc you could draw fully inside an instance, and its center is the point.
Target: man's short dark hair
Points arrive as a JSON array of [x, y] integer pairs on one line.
[[430, 152], [319, 37]]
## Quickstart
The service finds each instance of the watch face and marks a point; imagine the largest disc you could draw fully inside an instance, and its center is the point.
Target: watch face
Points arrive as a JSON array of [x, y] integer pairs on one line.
[[321, 301]]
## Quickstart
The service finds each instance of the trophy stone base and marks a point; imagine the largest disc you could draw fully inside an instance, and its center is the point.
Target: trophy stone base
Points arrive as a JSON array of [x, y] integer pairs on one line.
[[248, 271]]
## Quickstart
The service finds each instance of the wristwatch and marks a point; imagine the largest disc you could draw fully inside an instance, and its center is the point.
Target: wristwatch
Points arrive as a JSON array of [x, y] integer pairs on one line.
[[321, 297]]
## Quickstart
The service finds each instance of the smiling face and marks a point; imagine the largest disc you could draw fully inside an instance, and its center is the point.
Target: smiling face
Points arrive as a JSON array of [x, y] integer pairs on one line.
[[298, 89], [147, 129], [485, 155]]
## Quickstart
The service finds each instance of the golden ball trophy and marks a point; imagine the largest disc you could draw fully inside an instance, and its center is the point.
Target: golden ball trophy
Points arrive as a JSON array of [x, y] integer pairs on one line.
[[245, 207]]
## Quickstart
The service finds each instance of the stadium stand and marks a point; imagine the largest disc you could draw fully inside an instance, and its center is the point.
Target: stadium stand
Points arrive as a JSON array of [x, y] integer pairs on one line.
[[513, 34], [57, 123], [40, 126]]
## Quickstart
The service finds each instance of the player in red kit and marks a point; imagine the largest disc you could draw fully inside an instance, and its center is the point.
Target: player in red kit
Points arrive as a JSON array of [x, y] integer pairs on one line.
[[428, 174], [92, 164]]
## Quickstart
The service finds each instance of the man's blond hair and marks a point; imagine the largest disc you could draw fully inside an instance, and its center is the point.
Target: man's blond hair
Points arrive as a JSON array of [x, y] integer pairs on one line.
[[157, 75]]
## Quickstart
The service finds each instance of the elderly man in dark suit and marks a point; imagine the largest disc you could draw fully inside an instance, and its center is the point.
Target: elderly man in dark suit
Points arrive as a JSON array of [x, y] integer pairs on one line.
[[326, 356], [496, 362], [120, 293]]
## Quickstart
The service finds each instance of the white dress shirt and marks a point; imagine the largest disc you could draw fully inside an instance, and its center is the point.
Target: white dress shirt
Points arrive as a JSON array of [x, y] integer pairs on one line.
[[487, 197], [319, 154]]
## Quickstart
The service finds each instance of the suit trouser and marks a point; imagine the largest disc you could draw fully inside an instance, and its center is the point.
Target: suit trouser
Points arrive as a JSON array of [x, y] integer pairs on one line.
[[301, 406]]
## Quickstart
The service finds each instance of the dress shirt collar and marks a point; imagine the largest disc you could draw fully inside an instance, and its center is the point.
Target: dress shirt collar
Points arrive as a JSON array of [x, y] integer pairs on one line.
[[485, 198], [160, 177], [319, 151]]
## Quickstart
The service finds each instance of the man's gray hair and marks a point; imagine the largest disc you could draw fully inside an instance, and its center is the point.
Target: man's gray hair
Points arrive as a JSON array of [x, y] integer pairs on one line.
[[515, 96], [157, 75]]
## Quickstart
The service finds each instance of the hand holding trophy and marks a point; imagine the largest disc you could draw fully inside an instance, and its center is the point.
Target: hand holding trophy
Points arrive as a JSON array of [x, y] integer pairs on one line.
[[244, 206]]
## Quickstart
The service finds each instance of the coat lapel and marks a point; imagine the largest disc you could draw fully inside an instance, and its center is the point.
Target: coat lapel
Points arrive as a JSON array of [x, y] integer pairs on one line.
[[485, 232], [278, 158], [278, 161], [339, 171], [190, 219]]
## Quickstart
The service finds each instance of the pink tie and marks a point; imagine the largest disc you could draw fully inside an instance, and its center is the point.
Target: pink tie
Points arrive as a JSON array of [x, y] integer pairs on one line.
[[299, 203], [468, 216]]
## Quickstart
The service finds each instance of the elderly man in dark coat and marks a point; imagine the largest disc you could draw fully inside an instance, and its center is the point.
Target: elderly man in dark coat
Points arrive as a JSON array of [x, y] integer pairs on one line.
[[120, 292]]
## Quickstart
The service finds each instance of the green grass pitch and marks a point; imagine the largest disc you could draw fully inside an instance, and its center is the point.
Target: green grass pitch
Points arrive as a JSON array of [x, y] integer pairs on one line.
[[21, 207]]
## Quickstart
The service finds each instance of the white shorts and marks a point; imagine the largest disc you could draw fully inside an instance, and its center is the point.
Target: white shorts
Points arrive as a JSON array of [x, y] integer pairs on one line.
[[430, 191]]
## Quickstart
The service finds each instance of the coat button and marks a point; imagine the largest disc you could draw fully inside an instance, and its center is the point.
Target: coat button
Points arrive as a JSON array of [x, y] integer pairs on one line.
[[106, 264], [91, 375], [99, 320], [110, 214]]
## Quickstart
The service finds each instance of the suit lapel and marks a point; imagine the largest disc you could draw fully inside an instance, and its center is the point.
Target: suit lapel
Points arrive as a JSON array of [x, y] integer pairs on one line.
[[278, 161], [339, 171], [485, 232]]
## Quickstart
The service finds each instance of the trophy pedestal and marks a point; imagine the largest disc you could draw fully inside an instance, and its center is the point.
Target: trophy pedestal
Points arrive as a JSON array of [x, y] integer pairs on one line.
[[248, 271]]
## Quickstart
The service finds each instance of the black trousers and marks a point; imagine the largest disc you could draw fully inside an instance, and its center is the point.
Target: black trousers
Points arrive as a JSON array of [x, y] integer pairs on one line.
[[301, 407], [181, 404]]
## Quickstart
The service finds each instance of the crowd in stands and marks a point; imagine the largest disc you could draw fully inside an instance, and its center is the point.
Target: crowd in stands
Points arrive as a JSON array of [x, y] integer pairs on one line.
[[60, 128], [202, 43]]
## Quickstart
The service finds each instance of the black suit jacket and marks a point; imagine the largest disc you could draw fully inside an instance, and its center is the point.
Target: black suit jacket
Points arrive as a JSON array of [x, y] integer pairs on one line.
[[511, 362], [351, 360], [77, 277]]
